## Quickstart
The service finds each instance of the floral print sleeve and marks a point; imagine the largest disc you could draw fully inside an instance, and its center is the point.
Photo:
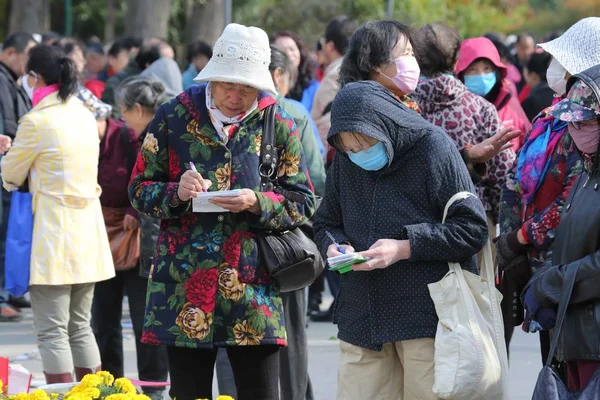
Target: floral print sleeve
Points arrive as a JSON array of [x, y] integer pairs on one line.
[[150, 189], [277, 211]]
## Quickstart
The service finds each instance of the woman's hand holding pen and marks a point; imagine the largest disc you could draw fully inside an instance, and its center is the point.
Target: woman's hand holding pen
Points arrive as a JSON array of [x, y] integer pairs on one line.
[[191, 184]]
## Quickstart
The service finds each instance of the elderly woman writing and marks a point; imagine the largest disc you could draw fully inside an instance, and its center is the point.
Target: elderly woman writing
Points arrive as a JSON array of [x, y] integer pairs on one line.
[[207, 286]]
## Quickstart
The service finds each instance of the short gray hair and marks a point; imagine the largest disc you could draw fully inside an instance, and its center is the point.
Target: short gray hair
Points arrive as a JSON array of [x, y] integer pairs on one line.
[[147, 92]]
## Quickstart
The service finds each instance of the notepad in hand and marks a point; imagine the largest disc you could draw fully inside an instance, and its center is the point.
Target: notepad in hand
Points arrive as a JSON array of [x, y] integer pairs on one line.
[[201, 203], [344, 262]]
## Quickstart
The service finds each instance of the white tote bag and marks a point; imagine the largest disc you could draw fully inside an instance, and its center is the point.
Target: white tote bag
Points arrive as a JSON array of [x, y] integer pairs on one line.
[[470, 353]]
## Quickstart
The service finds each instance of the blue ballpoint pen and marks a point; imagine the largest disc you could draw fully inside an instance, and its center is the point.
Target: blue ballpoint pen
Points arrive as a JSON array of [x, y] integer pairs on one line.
[[339, 248]]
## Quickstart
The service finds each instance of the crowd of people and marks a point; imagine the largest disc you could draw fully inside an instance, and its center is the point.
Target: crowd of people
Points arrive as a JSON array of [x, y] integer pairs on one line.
[[374, 131]]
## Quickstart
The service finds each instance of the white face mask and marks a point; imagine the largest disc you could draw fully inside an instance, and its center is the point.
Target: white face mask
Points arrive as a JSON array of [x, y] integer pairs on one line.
[[556, 77], [25, 83]]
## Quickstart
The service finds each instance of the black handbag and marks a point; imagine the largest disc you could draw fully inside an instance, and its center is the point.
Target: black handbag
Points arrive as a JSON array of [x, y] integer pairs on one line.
[[549, 385], [290, 257]]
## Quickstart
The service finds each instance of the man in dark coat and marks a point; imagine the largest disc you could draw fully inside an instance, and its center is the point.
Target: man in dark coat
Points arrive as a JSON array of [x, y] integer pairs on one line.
[[14, 103]]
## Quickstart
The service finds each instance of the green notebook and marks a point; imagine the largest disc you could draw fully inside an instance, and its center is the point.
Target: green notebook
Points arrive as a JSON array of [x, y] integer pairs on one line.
[[344, 262]]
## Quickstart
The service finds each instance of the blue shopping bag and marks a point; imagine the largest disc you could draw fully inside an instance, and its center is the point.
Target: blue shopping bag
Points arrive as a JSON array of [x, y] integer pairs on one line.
[[18, 244]]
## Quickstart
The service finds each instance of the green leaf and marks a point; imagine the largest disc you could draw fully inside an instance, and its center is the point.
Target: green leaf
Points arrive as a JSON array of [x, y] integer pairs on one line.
[[217, 321], [188, 138], [206, 152], [157, 323], [160, 266], [150, 318], [175, 330], [154, 287], [180, 109], [280, 332], [248, 245], [258, 320], [207, 264], [226, 306], [174, 273], [277, 301], [162, 250], [195, 149]]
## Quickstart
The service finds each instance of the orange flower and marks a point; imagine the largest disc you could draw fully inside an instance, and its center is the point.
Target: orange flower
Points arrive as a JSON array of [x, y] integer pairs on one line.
[[289, 164], [195, 129], [194, 322], [246, 335], [223, 174], [229, 284]]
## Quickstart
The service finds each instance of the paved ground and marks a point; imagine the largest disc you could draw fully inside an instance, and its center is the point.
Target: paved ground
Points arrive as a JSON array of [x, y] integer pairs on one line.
[[18, 342]]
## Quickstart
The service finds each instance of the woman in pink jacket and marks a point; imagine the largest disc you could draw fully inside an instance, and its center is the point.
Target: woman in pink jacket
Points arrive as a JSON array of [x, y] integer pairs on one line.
[[479, 67]]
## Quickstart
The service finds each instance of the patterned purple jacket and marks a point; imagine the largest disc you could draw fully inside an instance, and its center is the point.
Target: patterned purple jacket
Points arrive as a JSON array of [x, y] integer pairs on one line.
[[468, 119]]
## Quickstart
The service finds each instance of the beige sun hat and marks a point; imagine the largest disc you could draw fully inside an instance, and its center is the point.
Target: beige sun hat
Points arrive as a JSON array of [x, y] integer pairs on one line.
[[579, 47], [241, 55]]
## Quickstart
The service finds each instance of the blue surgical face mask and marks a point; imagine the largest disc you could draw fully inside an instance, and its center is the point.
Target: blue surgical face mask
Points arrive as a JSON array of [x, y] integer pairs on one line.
[[480, 84], [371, 159]]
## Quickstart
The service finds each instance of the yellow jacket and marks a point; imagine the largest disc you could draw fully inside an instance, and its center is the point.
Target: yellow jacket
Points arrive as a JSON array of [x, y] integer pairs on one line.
[[57, 148]]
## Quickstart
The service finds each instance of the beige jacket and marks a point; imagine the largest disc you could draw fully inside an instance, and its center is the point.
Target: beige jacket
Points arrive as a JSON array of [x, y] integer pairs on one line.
[[324, 96], [57, 149]]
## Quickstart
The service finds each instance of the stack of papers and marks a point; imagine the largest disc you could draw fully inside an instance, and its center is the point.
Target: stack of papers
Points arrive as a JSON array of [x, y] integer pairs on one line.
[[344, 262], [201, 204]]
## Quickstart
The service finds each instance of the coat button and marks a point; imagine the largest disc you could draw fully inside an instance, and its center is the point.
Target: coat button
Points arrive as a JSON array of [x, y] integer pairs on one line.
[[217, 248], [227, 155], [220, 218]]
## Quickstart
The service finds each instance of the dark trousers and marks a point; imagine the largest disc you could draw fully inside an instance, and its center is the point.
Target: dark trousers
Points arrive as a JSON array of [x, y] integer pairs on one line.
[[4, 210], [293, 360], [255, 368], [107, 310]]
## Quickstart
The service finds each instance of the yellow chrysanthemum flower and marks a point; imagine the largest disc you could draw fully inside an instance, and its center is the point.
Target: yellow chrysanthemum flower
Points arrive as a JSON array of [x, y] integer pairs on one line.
[[90, 380], [39, 395], [54, 396], [1, 387], [124, 385], [106, 377]]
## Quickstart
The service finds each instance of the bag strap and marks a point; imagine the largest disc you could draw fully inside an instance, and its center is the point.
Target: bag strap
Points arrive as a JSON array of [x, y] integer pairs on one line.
[[565, 298], [486, 270], [269, 159], [268, 151]]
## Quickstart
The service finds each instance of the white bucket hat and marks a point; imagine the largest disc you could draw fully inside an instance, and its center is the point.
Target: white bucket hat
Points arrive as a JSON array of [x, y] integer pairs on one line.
[[579, 47], [241, 55]]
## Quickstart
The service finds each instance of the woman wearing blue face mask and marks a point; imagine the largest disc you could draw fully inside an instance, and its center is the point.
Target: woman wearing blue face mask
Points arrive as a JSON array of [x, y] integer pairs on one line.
[[386, 190], [479, 67]]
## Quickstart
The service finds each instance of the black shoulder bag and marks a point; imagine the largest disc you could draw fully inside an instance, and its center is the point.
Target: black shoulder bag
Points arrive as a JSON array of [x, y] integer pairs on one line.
[[291, 258], [549, 385]]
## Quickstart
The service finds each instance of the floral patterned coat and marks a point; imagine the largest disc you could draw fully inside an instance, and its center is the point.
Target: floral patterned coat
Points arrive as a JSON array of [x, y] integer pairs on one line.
[[207, 286]]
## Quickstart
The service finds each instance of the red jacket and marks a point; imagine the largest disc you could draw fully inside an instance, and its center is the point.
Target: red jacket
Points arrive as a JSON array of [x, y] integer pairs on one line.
[[510, 109]]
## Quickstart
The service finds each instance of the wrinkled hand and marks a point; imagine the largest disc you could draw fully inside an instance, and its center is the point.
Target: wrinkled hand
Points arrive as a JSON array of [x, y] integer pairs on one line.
[[130, 223], [332, 250], [490, 147], [383, 253], [245, 201], [191, 184], [5, 143]]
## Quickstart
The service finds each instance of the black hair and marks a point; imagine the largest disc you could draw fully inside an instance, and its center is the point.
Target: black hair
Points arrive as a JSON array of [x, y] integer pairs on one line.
[[339, 30], [51, 36], [524, 35], [145, 91], [147, 55], [539, 63], [306, 70], [18, 41], [198, 48], [503, 49], [370, 47], [279, 59], [95, 47], [437, 46], [69, 45], [55, 67], [124, 44]]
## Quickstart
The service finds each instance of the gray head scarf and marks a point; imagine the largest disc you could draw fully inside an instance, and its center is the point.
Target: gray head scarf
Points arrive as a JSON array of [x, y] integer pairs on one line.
[[166, 71]]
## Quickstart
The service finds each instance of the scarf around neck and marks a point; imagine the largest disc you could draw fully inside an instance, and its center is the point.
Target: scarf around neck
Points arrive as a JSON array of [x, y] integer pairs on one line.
[[43, 92], [225, 126]]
